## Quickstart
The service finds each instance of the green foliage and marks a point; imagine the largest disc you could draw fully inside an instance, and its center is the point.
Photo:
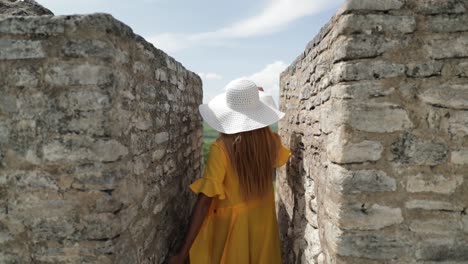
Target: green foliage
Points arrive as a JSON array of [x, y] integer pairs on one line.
[[209, 136]]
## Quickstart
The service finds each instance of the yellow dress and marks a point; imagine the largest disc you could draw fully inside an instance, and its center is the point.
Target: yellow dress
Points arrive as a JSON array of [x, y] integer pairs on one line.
[[234, 231]]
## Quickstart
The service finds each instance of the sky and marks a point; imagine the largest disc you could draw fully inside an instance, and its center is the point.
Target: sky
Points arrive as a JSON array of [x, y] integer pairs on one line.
[[220, 40]]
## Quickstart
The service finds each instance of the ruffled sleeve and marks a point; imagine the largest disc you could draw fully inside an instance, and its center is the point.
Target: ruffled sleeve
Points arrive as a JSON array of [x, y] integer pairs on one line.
[[211, 184], [283, 153]]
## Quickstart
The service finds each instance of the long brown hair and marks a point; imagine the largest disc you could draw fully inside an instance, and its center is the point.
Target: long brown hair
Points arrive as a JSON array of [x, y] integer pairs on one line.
[[252, 155]]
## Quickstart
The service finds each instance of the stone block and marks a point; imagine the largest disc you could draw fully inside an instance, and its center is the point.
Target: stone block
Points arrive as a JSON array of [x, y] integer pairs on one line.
[[82, 74], [372, 245], [101, 150], [445, 249], [459, 157], [443, 47], [377, 5], [8, 104], [93, 48], [411, 150], [4, 133], [364, 216], [29, 180], [363, 46], [447, 23], [40, 25], [449, 96], [465, 223], [375, 24], [24, 77], [376, 117], [357, 71], [96, 177], [161, 137], [52, 228], [84, 101], [432, 7], [427, 69], [343, 152], [359, 181], [90, 123], [109, 150], [361, 91], [462, 69], [433, 205], [11, 49], [56, 151], [433, 183], [100, 226]]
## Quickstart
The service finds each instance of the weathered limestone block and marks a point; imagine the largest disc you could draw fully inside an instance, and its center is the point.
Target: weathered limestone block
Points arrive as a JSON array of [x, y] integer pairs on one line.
[[445, 47], [22, 8], [94, 48], [433, 205], [360, 47], [459, 157], [11, 49], [32, 25], [378, 5], [434, 183], [431, 7], [84, 74], [447, 23], [347, 152], [370, 245], [356, 71], [411, 150], [447, 224], [450, 96], [364, 216], [376, 117], [374, 24], [446, 249], [362, 90], [462, 69], [465, 223], [359, 181], [427, 69]]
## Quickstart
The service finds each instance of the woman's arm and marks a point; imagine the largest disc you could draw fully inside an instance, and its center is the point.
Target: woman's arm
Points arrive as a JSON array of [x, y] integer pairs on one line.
[[199, 213]]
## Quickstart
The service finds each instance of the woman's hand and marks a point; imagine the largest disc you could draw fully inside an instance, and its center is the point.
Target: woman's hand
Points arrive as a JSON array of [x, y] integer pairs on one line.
[[177, 259]]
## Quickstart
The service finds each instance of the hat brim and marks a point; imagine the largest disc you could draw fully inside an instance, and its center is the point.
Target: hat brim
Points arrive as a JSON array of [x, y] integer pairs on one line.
[[229, 121]]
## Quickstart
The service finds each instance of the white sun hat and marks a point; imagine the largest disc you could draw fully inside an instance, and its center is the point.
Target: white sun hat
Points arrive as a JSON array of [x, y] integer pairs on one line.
[[239, 109]]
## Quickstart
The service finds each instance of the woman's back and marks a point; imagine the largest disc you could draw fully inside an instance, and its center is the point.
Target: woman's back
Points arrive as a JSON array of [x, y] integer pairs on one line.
[[236, 230]]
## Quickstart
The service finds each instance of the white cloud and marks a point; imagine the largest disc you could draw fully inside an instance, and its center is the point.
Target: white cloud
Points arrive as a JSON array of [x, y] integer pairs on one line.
[[268, 78], [210, 76], [275, 17]]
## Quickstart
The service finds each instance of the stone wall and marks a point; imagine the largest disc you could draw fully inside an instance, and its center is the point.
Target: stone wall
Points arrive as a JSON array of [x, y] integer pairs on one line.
[[22, 8], [377, 118], [99, 138]]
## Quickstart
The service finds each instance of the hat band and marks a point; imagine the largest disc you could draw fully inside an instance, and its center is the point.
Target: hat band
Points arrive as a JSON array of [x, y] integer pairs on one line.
[[240, 107]]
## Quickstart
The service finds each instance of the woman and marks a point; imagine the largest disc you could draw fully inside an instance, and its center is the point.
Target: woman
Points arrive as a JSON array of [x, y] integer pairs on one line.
[[234, 219]]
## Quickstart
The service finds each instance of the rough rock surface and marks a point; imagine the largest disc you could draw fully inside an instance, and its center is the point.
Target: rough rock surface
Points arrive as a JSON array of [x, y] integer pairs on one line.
[[22, 8], [376, 116], [99, 139]]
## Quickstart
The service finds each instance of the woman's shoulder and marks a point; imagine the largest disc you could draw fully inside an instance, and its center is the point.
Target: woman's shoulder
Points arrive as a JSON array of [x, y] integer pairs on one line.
[[218, 146]]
